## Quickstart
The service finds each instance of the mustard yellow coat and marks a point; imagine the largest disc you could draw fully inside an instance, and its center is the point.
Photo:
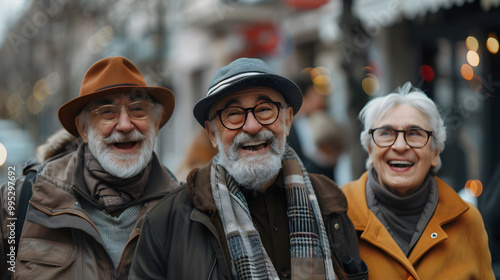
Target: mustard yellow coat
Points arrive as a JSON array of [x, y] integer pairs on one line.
[[454, 245]]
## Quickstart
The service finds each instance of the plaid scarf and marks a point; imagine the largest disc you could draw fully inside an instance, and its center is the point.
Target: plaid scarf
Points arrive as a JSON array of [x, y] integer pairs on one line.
[[310, 250]]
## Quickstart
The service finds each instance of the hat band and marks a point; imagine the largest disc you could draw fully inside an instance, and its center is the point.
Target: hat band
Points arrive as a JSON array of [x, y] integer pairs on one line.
[[227, 82], [116, 85]]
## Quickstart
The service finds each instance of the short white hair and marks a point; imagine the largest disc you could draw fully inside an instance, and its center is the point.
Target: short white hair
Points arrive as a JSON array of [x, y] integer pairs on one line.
[[405, 95]]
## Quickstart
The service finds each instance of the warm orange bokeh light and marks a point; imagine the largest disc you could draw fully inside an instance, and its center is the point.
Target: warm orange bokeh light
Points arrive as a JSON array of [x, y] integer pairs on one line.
[[474, 187], [473, 58], [492, 45], [370, 84], [467, 72], [322, 84], [471, 43]]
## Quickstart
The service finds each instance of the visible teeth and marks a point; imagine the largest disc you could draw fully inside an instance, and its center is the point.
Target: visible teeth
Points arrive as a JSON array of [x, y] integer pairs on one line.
[[401, 163], [253, 143]]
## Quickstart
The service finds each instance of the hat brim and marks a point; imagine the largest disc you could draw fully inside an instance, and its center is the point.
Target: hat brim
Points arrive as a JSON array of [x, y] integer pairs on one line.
[[288, 89], [70, 110]]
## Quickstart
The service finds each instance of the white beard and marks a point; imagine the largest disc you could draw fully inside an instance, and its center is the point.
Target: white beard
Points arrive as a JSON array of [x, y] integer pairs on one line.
[[252, 172], [120, 164]]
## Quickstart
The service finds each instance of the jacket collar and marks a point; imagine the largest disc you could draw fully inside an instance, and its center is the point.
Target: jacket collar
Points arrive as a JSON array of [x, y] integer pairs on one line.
[[449, 207], [56, 185], [330, 198], [199, 189]]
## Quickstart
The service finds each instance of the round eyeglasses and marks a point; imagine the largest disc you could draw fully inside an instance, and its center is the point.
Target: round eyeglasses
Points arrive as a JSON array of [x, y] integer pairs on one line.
[[138, 110], [234, 117], [385, 137]]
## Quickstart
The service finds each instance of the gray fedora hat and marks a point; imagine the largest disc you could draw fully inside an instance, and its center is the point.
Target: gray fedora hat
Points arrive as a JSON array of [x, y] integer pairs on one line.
[[243, 73]]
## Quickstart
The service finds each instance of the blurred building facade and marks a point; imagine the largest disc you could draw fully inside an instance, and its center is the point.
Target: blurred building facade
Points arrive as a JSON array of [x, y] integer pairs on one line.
[[368, 48]]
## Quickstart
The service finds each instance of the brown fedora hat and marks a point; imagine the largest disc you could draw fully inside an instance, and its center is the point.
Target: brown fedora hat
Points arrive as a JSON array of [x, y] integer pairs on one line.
[[113, 75]]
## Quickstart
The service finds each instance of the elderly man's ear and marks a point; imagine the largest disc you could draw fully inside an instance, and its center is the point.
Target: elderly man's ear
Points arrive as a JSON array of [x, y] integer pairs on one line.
[[82, 129], [211, 134], [158, 121], [289, 119]]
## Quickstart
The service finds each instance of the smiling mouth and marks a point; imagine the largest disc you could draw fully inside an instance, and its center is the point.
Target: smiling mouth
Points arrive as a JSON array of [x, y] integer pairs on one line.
[[254, 145], [400, 163], [125, 145]]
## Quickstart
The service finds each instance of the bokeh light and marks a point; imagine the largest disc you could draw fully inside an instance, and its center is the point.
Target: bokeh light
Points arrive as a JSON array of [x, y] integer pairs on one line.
[[476, 83], [467, 72], [322, 84], [474, 187], [471, 43], [492, 44], [426, 72], [321, 79], [15, 107], [370, 84], [34, 105], [473, 58], [40, 90], [3, 154], [98, 42]]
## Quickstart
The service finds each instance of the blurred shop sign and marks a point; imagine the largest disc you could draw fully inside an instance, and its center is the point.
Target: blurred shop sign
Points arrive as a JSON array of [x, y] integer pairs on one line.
[[306, 4], [387, 12], [246, 2], [262, 40]]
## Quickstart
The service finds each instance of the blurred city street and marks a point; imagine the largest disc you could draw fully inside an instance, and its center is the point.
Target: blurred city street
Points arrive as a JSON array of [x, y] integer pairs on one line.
[[354, 50]]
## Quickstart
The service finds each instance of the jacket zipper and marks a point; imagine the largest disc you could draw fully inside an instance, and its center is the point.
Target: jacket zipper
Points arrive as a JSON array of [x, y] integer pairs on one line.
[[118, 266], [214, 263]]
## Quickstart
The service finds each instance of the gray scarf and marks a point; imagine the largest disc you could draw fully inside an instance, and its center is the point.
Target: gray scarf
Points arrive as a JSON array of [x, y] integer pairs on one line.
[[404, 217]]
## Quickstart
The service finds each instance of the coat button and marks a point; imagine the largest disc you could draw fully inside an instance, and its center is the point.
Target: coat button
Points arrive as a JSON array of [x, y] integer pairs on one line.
[[434, 235], [336, 226]]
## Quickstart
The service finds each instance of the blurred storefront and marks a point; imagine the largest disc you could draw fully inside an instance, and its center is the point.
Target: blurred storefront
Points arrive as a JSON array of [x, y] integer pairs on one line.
[[367, 48]]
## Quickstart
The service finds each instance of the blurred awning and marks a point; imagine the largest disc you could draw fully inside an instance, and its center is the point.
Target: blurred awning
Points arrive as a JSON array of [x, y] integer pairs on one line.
[[387, 12]]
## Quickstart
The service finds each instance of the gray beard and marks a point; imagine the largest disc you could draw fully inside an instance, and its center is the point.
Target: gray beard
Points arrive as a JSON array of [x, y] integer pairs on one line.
[[119, 164], [252, 172]]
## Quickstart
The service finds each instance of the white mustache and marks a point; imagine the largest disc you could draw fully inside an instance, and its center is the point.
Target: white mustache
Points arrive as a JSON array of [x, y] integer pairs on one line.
[[243, 137], [120, 137]]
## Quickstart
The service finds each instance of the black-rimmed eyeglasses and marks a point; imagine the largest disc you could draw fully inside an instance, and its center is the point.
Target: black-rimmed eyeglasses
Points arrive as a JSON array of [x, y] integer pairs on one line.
[[385, 136], [234, 117]]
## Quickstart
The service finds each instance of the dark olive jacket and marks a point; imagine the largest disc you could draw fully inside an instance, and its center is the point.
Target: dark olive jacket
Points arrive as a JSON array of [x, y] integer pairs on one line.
[[183, 238]]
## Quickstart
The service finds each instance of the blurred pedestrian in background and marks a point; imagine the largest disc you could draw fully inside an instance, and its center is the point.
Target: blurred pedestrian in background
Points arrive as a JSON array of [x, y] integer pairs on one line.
[[411, 224], [253, 212], [198, 153], [312, 122], [83, 220], [488, 204]]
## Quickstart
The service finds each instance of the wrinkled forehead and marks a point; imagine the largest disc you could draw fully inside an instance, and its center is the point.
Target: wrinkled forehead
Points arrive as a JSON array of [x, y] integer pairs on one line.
[[249, 97], [119, 98], [403, 116]]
